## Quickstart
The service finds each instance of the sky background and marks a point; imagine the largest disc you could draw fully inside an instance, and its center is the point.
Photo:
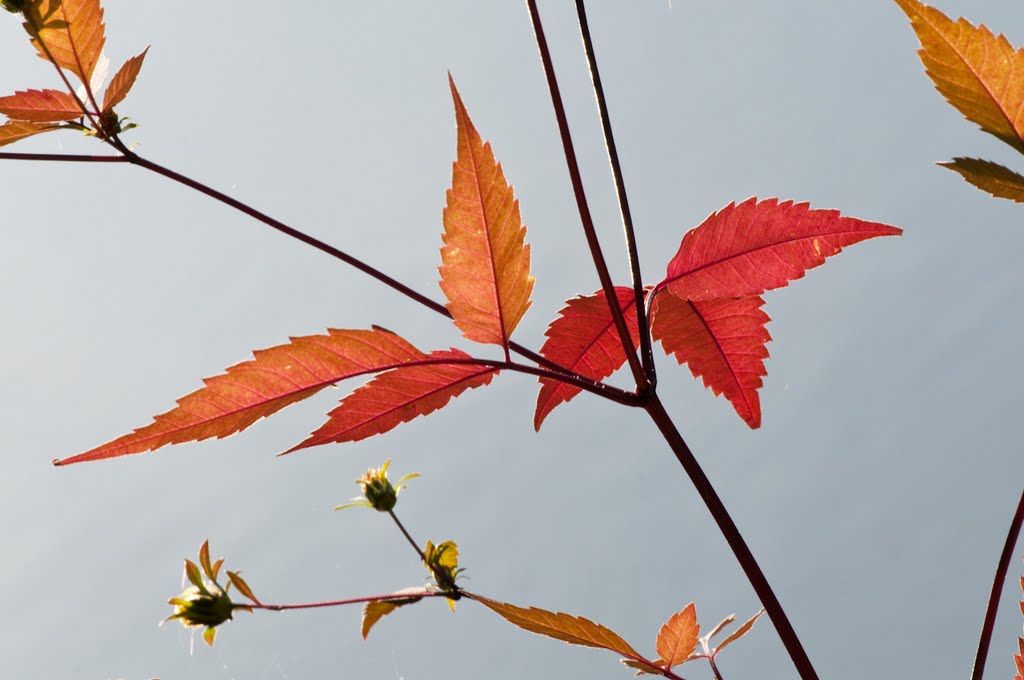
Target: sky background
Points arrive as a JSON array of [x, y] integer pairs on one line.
[[876, 495]]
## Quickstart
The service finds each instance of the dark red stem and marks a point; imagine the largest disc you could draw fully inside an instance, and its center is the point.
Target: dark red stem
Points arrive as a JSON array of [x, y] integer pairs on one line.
[[341, 603], [72, 158], [732, 536], [408, 536], [581, 202], [998, 583], [646, 353]]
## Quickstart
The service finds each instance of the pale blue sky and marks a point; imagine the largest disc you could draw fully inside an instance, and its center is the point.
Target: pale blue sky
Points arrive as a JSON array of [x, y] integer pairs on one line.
[[876, 494]]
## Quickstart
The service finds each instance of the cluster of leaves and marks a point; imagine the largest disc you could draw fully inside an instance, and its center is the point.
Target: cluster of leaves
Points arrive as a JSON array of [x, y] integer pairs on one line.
[[982, 76], [69, 34], [706, 312]]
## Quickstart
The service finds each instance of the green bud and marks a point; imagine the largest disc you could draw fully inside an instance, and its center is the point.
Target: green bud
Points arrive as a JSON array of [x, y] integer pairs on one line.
[[378, 491], [205, 605]]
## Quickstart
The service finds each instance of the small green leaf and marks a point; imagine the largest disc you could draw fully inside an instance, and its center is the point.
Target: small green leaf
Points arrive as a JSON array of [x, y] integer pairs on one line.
[[204, 560], [193, 575], [242, 586], [208, 636]]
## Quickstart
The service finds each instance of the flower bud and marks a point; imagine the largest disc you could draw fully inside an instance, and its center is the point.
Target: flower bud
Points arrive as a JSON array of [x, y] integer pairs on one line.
[[205, 605]]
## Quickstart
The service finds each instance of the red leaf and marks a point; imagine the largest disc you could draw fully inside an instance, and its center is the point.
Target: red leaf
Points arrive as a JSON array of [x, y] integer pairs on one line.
[[583, 339], [40, 106], [752, 247], [71, 30], [14, 130], [485, 262], [398, 396], [678, 637], [122, 82], [721, 340], [255, 389]]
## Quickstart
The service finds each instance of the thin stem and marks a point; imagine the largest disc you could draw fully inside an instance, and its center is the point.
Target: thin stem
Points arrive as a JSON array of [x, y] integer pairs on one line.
[[407, 536], [732, 536], [352, 600], [997, 588], [646, 352], [135, 159], [714, 668], [581, 203], [68, 157]]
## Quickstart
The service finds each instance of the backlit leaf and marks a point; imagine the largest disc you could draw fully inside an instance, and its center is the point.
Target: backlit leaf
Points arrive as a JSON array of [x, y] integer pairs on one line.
[[645, 667], [575, 630], [398, 396], [980, 74], [485, 262], [752, 247], [739, 632], [71, 30], [243, 587], [123, 81], [997, 180], [722, 341], [678, 637], [583, 339], [14, 130], [40, 106], [378, 609], [255, 389]]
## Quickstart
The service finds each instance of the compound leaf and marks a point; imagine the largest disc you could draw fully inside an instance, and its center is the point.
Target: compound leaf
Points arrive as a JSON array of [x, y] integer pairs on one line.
[[275, 378], [583, 339], [979, 74], [40, 106], [752, 247], [997, 180], [485, 261], [398, 396], [722, 341]]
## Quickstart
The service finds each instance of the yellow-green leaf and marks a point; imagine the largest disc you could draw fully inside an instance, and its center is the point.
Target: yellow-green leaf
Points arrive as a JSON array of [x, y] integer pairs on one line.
[[575, 630], [980, 74], [378, 609], [997, 180]]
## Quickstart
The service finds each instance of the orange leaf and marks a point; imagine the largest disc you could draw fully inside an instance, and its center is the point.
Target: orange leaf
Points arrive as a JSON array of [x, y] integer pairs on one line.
[[398, 396], [997, 180], [71, 30], [752, 247], [978, 73], [722, 340], [583, 339], [485, 262], [678, 637], [575, 630], [255, 389], [40, 106], [122, 82], [13, 130], [739, 632]]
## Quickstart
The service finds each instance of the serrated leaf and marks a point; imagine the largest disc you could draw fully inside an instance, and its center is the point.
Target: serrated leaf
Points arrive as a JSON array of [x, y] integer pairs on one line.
[[40, 106], [722, 341], [1018, 659], [739, 632], [14, 130], [399, 395], [240, 584], [378, 609], [71, 30], [678, 637], [755, 246], [575, 630], [979, 74], [584, 339], [255, 389], [485, 261], [997, 180], [122, 82]]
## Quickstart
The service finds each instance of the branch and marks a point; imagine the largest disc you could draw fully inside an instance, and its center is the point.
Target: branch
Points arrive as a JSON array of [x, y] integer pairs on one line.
[[353, 600], [73, 158], [646, 352], [997, 588], [581, 203], [732, 536]]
